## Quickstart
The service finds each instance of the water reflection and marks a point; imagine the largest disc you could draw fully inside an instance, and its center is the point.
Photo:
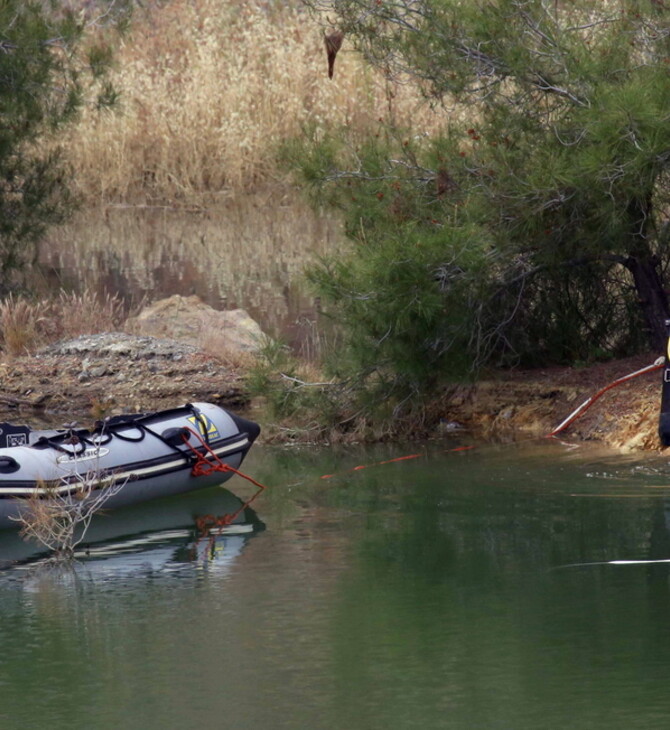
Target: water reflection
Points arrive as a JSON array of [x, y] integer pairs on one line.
[[163, 537], [427, 593], [249, 252]]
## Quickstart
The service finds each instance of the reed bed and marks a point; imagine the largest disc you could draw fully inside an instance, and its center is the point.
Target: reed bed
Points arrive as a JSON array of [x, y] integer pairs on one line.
[[209, 90], [27, 324]]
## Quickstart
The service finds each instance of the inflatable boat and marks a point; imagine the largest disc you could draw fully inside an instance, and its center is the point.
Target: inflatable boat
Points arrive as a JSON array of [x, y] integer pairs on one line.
[[137, 457]]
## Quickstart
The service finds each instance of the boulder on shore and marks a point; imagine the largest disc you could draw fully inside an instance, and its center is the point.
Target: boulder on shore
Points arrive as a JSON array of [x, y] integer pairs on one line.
[[190, 320]]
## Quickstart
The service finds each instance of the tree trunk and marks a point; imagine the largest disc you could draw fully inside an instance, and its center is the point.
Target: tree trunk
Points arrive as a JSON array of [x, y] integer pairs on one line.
[[652, 297], [644, 266]]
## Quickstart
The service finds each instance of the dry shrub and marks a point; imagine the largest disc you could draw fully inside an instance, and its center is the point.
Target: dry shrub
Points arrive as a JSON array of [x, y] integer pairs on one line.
[[26, 325], [86, 313], [216, 343], [22, 324], [210, 87], [58, 515]]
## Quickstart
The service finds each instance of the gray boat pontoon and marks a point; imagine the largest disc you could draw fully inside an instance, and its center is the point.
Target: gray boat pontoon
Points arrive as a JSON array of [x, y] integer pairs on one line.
[[139, 456]]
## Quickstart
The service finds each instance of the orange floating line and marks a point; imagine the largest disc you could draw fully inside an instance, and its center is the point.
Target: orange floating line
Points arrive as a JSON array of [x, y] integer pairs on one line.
[[401, 458], [407, 457]]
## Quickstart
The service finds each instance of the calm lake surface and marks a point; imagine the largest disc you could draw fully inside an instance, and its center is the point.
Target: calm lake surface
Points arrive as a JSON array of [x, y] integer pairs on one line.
[[248, 252], [453, 590]]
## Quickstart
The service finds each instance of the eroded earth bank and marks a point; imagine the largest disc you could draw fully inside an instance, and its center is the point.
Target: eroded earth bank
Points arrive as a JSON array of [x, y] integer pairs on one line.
[[110, 373]]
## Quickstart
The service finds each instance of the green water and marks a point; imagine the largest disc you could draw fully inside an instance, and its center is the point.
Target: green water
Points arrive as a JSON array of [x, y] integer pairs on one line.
[[454, 590]]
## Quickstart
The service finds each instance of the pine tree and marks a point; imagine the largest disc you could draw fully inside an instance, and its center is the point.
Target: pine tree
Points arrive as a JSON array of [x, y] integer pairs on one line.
[[541, 213], [52, 61]]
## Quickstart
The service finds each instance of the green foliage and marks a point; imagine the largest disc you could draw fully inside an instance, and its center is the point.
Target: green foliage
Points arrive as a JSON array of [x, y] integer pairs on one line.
[[409, 299], [533, 228], [263, 378], [289, 393], [50, 64]]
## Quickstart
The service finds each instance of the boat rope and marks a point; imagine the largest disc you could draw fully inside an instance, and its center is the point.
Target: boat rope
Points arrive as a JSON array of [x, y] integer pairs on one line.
[[113, 427], [206, 462], [580, 410]]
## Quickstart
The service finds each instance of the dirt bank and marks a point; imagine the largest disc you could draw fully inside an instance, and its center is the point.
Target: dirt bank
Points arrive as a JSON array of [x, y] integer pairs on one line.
[[100, 375], [511, 404]]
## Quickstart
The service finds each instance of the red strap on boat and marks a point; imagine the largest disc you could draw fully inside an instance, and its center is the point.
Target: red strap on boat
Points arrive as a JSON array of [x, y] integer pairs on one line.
[[207, 462]]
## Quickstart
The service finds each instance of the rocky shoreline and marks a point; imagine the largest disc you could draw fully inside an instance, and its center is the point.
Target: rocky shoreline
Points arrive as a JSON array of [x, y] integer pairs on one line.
[[176, 350], [107, 374], [98, 375], [179, 350]]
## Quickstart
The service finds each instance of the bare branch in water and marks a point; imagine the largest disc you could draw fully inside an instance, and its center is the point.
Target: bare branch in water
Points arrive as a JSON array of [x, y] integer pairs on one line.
[[59, 514]]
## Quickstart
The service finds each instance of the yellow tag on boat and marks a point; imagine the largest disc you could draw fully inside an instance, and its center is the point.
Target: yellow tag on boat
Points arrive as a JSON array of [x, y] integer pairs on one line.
[[207, 428]]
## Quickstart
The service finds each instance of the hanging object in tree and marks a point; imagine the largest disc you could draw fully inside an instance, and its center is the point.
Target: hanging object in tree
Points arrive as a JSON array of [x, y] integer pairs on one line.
[[333, 43]]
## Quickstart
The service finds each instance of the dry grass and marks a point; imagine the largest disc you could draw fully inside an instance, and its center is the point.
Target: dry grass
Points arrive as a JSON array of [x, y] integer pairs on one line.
[[216, 343], [22, 324], [210, 87], [26, 325], [87, 313]]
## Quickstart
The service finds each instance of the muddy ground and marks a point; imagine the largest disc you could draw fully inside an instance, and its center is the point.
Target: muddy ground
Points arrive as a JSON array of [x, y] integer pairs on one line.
[[100, 375]]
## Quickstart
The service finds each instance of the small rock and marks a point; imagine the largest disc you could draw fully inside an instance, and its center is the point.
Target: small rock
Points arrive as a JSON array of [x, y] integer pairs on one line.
[[36, 398], [449, 426]]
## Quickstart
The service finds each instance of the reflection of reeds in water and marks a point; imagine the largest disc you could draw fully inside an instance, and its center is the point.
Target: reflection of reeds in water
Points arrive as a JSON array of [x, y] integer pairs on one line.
[[210, 87], [247, 253]]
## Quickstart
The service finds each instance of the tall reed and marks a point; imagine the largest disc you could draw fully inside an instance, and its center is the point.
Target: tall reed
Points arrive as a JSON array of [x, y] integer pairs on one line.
[[28, 324], [209, 89]]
